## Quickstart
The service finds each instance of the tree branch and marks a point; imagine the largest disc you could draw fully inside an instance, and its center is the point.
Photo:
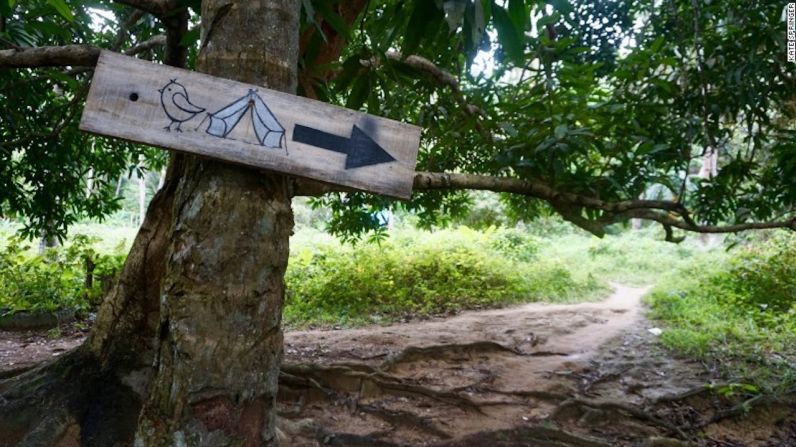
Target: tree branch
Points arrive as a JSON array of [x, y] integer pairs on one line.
[[67, 55], [316, 68], [439, 75], [149, 44], [671, 221], [175, 19], [420, 63], [537, 189], [669, 214], [569, 205], [56, 56], [124, 30]]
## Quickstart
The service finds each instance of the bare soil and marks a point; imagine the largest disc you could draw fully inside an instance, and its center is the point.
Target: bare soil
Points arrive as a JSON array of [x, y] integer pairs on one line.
[[588, 374]]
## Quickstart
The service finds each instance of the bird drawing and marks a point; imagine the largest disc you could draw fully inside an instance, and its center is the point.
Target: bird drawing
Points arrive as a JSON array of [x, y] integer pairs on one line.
[[175, 102]]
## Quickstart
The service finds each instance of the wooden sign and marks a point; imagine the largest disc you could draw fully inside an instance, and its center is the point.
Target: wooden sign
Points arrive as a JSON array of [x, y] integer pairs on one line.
[[245, 124]]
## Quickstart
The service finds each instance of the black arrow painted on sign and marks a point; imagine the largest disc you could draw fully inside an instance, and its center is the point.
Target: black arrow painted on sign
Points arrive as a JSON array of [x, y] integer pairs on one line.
[[360, 149]]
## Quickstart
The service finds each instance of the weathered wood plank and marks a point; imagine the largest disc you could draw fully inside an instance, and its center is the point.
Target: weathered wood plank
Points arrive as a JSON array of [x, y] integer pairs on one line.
[[239, 123]]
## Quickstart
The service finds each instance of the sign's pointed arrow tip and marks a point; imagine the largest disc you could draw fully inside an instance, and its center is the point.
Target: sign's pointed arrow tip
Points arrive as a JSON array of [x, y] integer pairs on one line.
[[363, 151], [360, 149]]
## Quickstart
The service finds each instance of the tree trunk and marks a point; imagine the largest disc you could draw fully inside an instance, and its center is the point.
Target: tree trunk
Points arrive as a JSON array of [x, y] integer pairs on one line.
[[186, 349]]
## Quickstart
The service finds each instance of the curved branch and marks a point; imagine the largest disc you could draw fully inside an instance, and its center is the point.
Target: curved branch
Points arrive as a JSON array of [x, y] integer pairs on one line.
[[569, 204], [317, 62], [58, 56], [532, 188], [67, 55], [440, 76], [420, 63], [666, 219], [174, 17], [149, 44], [124, 30]]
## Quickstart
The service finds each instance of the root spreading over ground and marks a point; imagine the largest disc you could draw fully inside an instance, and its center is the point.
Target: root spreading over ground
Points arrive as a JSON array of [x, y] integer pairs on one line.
[[535, 375]]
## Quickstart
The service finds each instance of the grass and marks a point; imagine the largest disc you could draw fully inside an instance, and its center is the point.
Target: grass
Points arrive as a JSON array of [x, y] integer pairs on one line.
[[630, 257], [737, 312], [418, 274], [107, 238]]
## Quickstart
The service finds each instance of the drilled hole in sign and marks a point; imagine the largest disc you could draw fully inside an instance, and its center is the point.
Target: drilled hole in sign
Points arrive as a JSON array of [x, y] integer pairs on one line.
[[133, 97]]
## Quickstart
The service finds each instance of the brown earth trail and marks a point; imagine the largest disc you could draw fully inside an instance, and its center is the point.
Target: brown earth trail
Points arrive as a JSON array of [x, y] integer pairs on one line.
[[587, 374], [547, 337]]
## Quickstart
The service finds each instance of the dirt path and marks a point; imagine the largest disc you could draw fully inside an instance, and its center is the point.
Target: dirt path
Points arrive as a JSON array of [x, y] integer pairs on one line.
[[581, 375], [588, 374], [553, 337]]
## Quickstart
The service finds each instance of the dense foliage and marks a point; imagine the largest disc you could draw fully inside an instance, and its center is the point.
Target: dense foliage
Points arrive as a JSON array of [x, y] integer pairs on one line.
[[416, 273], [55, 279], [617, 100], [412, 273], [614, 99], [739, 314], [52, 174]]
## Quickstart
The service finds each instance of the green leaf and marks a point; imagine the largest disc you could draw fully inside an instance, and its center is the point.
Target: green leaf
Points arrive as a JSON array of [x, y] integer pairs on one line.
[[351, 69], [359, 92], [424, 14], [552, 19], [332, 18], [52, 29], [6, 6], [191, 37], [196, 5], [519, 14], [511, 39], [62, 8], [63, 78], [562, 6], [308, 9]]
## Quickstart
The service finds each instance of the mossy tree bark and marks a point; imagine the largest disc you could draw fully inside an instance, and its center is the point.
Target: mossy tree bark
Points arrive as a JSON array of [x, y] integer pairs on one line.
[[186, 350]]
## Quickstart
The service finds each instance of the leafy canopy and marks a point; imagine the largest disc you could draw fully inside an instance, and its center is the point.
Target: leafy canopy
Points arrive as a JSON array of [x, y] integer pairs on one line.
[[613, 99]]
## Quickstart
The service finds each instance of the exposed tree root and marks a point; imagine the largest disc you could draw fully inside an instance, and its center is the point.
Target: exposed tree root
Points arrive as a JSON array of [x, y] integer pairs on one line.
[[677, 397], [736, 410], [739, 409], [70, 396], [537, 436], [352, 440], [589, 382], [630, 409], [9, 373], [534, 394], [345, 379], [405, 419], [416, 353]]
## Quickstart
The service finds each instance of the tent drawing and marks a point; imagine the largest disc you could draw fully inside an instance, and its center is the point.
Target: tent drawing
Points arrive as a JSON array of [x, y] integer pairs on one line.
[[267, 129]]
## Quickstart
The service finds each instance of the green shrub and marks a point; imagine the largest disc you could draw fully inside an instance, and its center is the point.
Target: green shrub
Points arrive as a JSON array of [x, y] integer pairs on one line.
[[637, 257], [762, 279], [737, 312], [53, 280], [422, 274]]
